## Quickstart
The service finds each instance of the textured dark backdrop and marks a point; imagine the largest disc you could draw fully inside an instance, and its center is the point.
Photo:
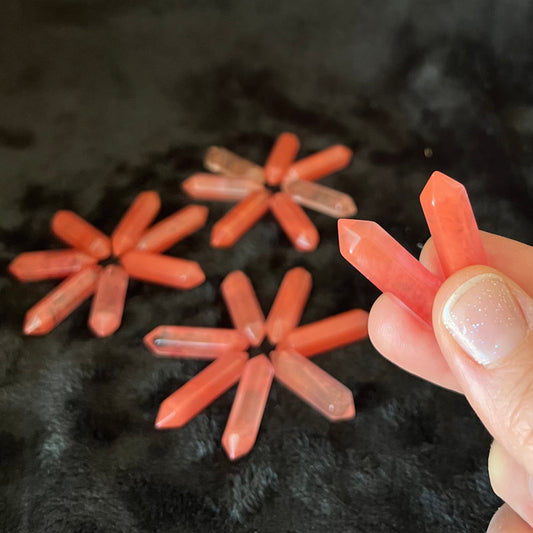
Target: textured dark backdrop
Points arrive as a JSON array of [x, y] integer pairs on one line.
[[102, 99]]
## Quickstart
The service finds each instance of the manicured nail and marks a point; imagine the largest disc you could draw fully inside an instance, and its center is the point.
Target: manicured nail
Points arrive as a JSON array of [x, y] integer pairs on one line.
[[485, 319]]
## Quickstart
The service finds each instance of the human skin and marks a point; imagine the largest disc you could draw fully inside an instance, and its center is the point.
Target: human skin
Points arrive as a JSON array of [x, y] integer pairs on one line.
[[499, 386]]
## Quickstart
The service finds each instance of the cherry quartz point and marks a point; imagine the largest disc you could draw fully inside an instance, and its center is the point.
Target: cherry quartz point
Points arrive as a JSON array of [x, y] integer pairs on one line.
[[191, 342], [281, 157], [78, 233], [49, 264], [248, 406], [389, 266], [201, 390], [137, 218], [452, 224], [108, 302]]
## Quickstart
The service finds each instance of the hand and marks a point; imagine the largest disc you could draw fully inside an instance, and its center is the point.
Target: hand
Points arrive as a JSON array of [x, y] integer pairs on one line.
[[481, 344]]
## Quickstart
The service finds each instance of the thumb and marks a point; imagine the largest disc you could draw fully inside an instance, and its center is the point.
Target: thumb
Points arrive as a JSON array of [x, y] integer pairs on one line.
[[483, 323]]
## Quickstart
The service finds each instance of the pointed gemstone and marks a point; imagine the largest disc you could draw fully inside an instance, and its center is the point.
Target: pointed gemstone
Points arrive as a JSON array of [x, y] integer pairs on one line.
[[322, 199], [321, 164], [46, 314], [78, 233], [313, 385], [238, 220], [243, 307], [222, 161], [163, 270], [200, 391], [248, 407], [137, 218], [219, 188], [452, 224], [289, 304], [108, 302], [281, 157], [327, 334], [295, 223], [38, 266], [172, 229], [389, 266], [189, 342]]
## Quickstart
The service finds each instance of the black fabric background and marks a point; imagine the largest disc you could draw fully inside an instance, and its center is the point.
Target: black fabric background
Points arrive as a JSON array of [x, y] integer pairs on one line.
[[100, 100]]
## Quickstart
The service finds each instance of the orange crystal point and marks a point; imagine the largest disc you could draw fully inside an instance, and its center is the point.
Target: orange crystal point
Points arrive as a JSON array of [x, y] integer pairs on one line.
[[137, 218], [46, 314], [237, 221], [220, 188], [243, 307], [321, 164], [162, 269], [289, 304], [248, 407], [200, 391], [172, 229], [313, 385], [322, 199], [73, 230], [295, 223], [389, 266], [222, 161], [452, 224], [108, 302], [281, 157], [37, 266], [202, 343], [327, 334]]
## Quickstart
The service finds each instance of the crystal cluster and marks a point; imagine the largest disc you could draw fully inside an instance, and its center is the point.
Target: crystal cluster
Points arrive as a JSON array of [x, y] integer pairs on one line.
[[392, 269], [136, 249], [288, 361], [236, 179]]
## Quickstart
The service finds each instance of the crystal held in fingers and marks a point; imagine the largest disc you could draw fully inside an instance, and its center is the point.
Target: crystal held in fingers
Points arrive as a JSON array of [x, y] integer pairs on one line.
[[452, 224], [389, 266]]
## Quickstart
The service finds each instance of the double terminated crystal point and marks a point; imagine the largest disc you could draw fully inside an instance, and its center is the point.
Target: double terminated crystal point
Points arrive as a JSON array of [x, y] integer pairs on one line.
[[134, 245], [381, 259], [289, 362], [242, 180]]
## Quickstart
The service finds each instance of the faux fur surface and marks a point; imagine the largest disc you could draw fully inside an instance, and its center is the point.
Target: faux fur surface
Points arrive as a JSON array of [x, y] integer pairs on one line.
[[101, 100]]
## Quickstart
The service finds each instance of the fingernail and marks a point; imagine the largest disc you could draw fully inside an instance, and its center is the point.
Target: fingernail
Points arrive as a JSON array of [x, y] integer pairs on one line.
[[485, 318]]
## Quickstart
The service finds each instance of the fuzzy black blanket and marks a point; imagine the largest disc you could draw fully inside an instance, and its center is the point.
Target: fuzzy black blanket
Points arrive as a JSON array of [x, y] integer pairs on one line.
[[100, 100]]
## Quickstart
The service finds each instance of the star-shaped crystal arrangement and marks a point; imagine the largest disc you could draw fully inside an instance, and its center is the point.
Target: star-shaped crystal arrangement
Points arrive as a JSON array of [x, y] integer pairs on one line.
[[136, 250], [237, 179], [288, 362], [392, 269]]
